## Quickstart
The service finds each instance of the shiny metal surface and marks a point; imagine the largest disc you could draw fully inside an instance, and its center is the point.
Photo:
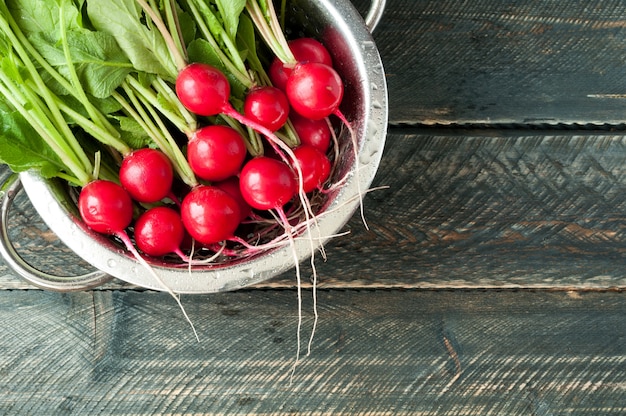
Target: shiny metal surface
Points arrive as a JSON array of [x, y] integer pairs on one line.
[[356, 58], [374, 14]]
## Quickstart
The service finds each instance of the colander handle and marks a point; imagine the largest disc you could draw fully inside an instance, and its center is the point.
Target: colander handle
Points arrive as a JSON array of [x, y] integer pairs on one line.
[[10, 188], [374, 14]]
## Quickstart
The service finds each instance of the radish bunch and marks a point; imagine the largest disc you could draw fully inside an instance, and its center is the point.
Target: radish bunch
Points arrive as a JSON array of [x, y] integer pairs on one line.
[[242, 175], [212, 158], [209, 211]]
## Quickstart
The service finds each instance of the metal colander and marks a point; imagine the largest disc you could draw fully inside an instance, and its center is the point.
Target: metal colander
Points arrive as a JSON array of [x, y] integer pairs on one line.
[[348, 38]]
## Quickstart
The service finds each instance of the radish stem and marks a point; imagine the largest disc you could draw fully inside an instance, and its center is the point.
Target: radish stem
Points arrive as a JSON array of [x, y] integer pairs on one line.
[[177, 55]]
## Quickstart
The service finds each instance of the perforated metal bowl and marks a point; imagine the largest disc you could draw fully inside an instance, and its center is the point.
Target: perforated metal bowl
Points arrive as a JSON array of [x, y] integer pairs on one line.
[[348, 37]]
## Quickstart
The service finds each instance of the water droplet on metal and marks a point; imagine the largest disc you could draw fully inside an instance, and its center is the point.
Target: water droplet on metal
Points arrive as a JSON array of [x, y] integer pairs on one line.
[[367, 44]]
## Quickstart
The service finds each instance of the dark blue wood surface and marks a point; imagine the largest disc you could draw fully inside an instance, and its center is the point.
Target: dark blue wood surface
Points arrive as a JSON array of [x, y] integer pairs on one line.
[[490, 282]]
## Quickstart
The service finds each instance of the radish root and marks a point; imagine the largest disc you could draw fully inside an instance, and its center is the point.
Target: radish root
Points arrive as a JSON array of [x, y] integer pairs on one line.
[[130, 247]]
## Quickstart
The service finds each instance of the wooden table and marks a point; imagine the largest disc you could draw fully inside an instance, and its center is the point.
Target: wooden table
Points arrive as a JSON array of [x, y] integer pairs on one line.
[[490, 282]]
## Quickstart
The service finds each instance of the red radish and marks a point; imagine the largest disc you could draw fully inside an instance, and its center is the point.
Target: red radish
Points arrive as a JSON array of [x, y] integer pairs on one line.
[[231, 186], [202, 89], [314, 165], [314, 90], [278, 73], [304, 50], [216, 152], [314, 133], [147, 175], [159, 231], [105, 207], [267, 106], [267, 183], [210, 215], [310, 50]]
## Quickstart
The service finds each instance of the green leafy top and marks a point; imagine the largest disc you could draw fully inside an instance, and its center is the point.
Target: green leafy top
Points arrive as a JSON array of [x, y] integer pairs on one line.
[[142, 43], [106, 68]]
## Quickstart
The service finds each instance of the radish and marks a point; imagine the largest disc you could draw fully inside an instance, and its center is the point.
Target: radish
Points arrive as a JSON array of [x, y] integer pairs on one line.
[[203, 89], [159, 231], [216, 152], [267, 106], [314, 165], [314, 90], [210, 215], [309, 49], [105, 207], [147, 175], [267, 183], [304, 50], [316, 133]]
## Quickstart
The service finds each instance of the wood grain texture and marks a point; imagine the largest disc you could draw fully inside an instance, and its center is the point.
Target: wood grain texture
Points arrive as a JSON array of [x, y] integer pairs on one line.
[[499, 209], [504, 62], [473, 212], [489, 208], [375, 353]]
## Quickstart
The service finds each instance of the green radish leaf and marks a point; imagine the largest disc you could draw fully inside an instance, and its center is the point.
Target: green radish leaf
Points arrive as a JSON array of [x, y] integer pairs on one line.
[[246, 40], [264, 8], [212, 20], [43, 15], [166, 104], [5, 45], [143, 44], [199, 50], [22, 149], [99, 62], [187, 25], [230, 11], [133, 133], [107, 105]]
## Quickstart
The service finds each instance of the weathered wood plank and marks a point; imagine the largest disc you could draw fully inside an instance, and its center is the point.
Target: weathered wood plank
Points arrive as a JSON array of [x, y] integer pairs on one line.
[[465, 209], [375, 353], [504, 62], [491, 209]]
